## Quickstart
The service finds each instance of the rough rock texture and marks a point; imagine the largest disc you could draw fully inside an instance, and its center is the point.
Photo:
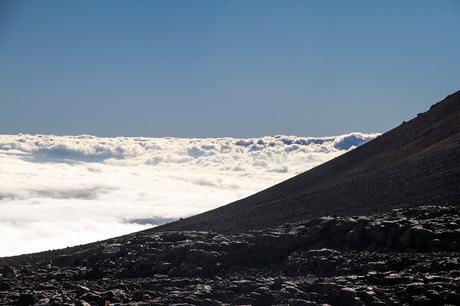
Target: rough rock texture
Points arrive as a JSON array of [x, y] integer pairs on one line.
[[352, 231], [405, 256], [417, 163]]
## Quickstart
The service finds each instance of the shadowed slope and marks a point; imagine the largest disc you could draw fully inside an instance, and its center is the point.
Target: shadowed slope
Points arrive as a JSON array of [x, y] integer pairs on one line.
[[417, 163], [403, 256]]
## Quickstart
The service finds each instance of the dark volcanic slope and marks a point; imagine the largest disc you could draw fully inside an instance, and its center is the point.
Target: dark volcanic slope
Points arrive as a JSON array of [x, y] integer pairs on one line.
[[404, 257], [381, 256], [414, 164]]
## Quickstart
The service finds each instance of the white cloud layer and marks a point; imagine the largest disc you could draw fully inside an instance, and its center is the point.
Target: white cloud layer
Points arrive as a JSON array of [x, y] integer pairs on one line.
[[58, 191]]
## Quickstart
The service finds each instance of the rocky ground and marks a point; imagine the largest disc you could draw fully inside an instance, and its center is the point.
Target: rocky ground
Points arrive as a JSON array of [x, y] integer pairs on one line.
[[407, 256]]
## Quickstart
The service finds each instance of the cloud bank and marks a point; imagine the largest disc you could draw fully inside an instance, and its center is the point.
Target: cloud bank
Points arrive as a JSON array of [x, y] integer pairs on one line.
[[58, 191]]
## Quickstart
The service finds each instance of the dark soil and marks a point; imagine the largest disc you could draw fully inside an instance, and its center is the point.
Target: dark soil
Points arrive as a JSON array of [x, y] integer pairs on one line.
[[417, 163], [379, 225], [406, 256]]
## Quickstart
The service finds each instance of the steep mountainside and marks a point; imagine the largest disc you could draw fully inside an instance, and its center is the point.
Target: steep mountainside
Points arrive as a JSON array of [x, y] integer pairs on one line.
[[417, 163], [290, 244]]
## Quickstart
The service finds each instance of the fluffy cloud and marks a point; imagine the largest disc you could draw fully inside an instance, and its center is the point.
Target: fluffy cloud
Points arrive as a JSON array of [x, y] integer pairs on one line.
[[57, 191]]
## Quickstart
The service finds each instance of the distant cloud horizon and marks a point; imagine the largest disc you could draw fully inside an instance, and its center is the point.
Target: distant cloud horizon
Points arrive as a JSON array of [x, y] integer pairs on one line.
[[59, 191]]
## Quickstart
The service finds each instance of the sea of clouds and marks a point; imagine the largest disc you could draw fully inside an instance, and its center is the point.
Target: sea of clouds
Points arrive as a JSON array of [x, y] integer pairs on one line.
[[58, 191]]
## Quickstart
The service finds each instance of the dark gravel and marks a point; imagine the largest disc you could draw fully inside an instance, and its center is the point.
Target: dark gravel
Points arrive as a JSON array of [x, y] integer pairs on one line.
[[407, 256]]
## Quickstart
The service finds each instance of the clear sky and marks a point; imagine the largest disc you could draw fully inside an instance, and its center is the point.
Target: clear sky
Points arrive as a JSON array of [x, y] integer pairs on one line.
[[223, 68]]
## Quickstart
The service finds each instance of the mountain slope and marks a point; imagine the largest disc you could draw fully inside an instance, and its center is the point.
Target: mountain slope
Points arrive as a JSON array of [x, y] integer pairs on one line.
[[376, 255], [404, 257], [417, 163]]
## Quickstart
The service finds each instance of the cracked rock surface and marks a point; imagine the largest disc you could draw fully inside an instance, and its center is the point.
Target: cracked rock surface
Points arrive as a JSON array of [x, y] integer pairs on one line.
[[406, 256]]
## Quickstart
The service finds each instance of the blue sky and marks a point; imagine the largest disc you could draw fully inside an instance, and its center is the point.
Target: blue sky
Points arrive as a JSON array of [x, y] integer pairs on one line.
[[223, 68]]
